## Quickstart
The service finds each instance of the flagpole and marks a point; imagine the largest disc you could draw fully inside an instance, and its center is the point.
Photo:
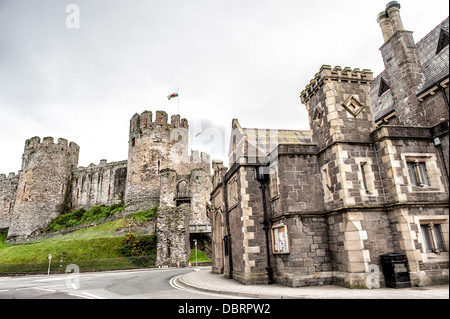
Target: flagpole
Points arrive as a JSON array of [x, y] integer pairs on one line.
[[178, 91]]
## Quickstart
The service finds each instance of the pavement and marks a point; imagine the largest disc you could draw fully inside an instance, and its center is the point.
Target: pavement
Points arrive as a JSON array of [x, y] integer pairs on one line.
[[204, 280]]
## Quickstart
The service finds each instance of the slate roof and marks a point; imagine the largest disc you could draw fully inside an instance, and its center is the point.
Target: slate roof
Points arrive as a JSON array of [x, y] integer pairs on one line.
[[266, 140], [435, 68]]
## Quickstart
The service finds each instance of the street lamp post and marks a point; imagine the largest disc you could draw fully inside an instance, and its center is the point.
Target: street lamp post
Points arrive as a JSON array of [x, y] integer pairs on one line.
[[195, 245], [49, 261]]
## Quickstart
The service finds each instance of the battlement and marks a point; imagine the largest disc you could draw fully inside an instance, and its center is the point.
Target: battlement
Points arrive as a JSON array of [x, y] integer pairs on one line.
[[144, 121], [201, 157], [103, 164], [48, 142], [337, 74], [200, 160], [10, 176]]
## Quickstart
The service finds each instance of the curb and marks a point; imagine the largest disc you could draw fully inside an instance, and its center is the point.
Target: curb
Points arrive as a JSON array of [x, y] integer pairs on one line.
[[234, 293]]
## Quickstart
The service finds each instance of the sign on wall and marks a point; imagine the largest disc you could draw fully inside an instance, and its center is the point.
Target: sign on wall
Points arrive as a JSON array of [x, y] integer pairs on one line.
[[280, 243]]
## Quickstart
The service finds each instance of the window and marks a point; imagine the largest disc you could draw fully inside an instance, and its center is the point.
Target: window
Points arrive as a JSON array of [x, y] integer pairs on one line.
[[432, 238], [232, 193], [418, 174], [383, 87], [363, 172], [443, 40]]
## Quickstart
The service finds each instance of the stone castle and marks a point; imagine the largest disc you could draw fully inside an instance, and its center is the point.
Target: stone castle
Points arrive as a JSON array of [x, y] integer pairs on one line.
[[369, 178], [159, 171], [295, 207]]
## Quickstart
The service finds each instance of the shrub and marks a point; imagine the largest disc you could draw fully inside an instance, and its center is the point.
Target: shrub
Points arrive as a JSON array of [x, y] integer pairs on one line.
[[135, 246]]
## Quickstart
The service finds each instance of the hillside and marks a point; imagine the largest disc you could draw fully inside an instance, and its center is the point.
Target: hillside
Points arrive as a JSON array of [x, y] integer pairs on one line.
[[107, 241], [122, 243]]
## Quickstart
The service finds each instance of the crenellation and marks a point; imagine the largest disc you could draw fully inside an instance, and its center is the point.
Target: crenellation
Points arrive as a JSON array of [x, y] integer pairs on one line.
[[175, 121], [161, 118], [135, 122], [51, 181], [334, 204], [146, 120], [184, 123]]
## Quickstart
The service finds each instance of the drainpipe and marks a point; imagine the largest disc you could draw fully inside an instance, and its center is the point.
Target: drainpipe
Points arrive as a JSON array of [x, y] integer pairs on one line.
[[262, 178], [445, 95], [228, 235], [437, 143]]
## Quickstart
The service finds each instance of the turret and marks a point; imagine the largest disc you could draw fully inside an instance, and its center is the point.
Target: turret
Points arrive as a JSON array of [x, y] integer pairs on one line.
[[153, 146], [338, 103], [43, 185]]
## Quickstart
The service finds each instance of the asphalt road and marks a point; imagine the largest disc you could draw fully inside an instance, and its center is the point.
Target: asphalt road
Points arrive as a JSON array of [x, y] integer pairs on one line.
[[139, 284]]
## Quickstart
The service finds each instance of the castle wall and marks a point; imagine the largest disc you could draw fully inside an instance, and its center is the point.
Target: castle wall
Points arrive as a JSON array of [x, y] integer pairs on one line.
[[220, 252], [8, 189], [102, 184], [200, 188], [173, 236], [43, 186]]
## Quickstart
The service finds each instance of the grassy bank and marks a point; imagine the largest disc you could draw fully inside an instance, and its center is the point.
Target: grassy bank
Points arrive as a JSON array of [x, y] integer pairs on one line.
[[105, 246], [201, 257], [93, 248]]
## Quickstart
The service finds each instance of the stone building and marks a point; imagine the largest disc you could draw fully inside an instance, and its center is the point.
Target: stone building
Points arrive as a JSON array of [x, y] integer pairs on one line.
[[50, 181], [370, 177]]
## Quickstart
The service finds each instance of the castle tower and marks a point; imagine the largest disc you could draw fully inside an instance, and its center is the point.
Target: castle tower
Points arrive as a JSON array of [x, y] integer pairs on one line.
[[153, 146], [43, 185], [403, 70], [341, 120], [338, 105]]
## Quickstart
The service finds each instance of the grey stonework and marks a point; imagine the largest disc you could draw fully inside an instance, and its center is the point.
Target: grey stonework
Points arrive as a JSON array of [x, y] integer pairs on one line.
[[103, 183], [159, 171], [348, 193], [43, 187], [8, 189], [172, 228]]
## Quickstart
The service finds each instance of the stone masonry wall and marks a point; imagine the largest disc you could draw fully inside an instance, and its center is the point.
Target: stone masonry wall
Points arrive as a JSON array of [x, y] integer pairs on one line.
[[309, 261], [98, 184], [173, 236], [398, 145], [43, 185], [200, 187], [8, 189]]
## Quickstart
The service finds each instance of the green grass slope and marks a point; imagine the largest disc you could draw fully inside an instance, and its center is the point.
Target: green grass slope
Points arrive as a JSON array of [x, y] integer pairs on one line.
[[93, 248]]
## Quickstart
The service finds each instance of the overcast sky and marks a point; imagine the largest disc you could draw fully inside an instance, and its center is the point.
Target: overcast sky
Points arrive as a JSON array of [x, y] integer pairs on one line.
[[245, 59]]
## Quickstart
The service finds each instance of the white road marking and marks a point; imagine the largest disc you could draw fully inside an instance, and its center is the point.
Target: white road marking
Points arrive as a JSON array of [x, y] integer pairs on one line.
[[92, 296], [173, 282], [44, 289], [81, 296]]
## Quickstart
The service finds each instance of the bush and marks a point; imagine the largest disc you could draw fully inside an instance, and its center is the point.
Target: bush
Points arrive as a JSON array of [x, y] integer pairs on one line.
[[135, 246]]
